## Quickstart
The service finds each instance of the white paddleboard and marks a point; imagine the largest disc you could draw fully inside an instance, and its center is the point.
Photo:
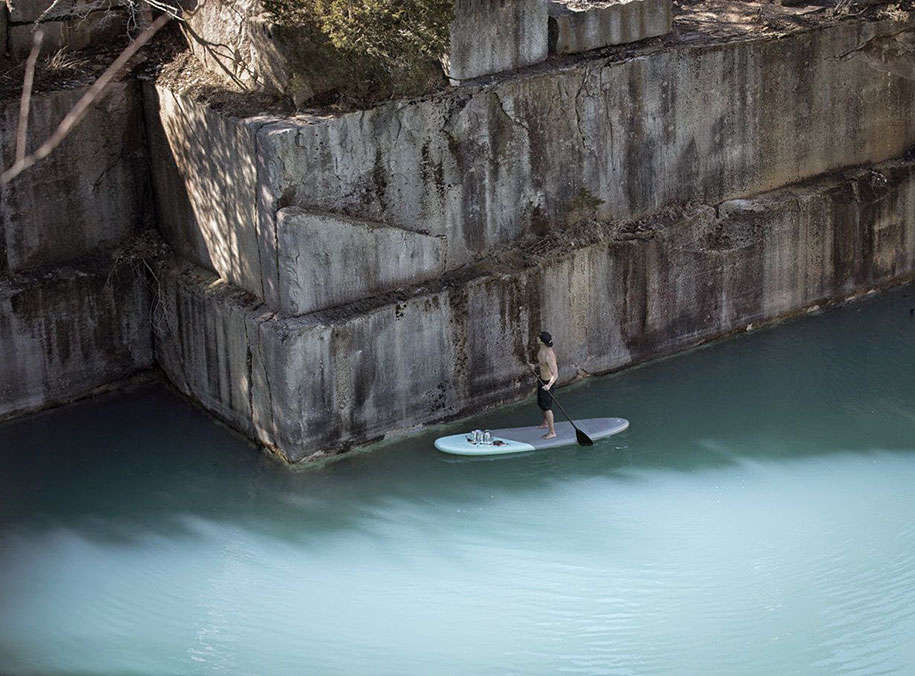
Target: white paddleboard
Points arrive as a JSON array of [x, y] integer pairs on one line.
[[524, 439]]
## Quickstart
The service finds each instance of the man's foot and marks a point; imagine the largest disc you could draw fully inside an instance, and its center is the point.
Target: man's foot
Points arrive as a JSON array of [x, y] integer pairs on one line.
[[551, 435], [542, 426]]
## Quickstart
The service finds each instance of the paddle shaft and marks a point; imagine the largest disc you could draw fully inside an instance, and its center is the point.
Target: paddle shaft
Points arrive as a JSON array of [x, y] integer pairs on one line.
[[582, 438]]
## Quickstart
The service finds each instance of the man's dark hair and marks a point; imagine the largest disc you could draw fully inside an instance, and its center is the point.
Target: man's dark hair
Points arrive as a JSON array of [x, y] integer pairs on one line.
[[546, 338]]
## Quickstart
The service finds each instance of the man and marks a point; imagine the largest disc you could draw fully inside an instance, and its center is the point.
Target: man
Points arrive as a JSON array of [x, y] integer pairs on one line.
[[549, 372]]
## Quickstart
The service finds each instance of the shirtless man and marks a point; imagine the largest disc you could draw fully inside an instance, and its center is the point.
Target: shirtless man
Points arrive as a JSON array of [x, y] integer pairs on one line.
[[549, 372]]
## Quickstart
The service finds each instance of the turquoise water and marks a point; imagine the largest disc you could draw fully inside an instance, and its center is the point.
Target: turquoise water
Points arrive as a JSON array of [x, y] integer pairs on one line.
[[757, 518]]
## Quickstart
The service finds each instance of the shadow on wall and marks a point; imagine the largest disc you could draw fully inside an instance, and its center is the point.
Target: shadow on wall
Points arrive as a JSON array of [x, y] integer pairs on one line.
[[204, 175]]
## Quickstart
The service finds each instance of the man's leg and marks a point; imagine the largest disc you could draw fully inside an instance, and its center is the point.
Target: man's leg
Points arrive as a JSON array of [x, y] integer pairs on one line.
[[544, 406], [548, 415]]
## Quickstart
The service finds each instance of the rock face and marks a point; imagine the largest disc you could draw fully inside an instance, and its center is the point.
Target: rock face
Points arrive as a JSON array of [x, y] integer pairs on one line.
[[318, 383], [72, 318], [577, 27], [362, 258], [92, 191], [289, 331], [66, 333]]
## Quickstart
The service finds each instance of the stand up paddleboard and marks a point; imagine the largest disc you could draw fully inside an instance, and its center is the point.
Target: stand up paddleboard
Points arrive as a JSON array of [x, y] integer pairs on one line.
[[524, 439]]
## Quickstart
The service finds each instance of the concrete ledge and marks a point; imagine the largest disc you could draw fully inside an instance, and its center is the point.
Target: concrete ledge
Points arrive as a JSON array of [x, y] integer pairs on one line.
[[330, 260], [64, 334], [628, 292], [574, 28], [92, 191]]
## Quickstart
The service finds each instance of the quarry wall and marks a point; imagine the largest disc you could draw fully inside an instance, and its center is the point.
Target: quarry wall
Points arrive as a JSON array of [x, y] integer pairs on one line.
[[319, 383], [334, 279], [74, 311], [268, 330]]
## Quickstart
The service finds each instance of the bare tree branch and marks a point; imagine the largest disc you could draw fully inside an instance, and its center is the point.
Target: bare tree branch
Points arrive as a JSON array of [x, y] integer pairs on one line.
[[51, 8], [26, 99], [76, 115]]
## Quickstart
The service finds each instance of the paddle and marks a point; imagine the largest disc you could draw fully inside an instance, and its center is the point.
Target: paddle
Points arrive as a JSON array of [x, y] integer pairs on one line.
[[582, 438]]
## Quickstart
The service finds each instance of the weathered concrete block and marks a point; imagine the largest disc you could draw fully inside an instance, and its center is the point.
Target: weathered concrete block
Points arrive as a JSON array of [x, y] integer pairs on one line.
[[330, 260], [204, 170], [72, 34], [63, 335], [390, 367], [485, 166], [202, 345], [299, 403], [303, 385], [491, 36], [577, 27], [92, 191], [886, 199], [492, 324]]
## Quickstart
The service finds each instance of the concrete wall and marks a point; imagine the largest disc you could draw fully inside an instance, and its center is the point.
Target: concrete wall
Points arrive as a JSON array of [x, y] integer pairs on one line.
[[360, 259], [491, 36], [92, 191], [72, 318], [66, 333], [204, 171], [316, 384], [486, 166], [574, 28]]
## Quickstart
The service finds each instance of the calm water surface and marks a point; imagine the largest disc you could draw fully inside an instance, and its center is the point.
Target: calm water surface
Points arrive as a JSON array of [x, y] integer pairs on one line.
[[757, 518]]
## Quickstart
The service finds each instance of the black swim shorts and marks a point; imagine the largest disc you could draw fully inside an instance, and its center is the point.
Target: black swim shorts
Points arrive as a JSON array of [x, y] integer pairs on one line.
[[544, 398]]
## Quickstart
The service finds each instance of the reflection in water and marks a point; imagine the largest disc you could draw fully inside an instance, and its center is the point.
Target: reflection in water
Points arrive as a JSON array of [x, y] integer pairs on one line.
[[756, 518]]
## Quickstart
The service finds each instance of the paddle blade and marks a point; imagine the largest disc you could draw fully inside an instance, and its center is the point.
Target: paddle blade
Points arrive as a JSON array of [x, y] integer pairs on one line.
[[583, 439]]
